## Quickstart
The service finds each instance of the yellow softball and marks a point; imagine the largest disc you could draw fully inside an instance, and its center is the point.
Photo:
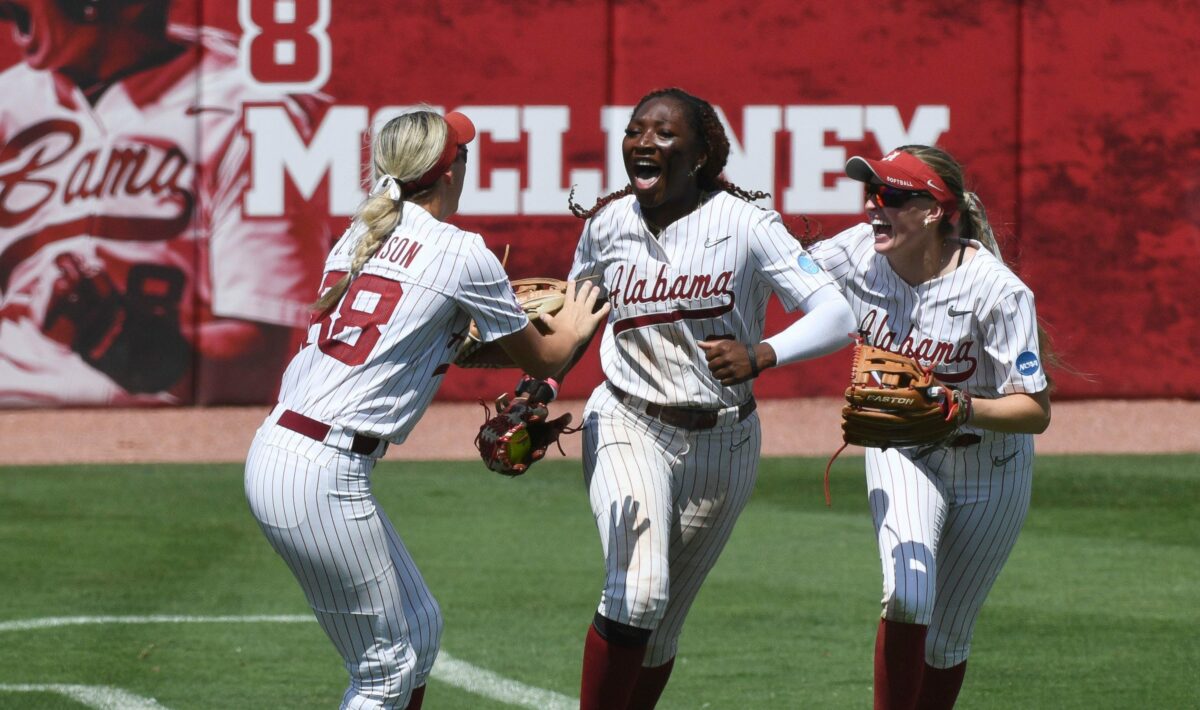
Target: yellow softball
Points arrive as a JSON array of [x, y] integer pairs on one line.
[[519, 446]]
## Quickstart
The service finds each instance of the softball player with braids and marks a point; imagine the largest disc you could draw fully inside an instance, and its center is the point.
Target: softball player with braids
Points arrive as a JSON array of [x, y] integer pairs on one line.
[[925, 278], [671, 450], [400, 289]]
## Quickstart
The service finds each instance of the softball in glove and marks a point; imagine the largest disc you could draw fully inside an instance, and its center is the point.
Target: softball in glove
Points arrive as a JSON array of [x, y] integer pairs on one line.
[[521, 431]]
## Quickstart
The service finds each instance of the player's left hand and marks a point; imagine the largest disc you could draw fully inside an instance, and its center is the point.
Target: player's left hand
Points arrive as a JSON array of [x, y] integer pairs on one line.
[[732, 362], [521, 431]]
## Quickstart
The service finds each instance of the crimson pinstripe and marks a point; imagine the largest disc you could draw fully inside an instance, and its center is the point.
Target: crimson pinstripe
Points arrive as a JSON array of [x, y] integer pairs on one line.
[[370, 367], [666, 498], [946, 520], [451, 278], [669, 292]]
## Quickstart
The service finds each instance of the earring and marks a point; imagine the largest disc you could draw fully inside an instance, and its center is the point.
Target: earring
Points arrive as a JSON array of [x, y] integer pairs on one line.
[[929, 221]]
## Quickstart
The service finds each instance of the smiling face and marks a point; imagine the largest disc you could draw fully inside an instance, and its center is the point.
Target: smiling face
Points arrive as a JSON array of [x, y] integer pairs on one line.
[[660, 149], [903, 229]]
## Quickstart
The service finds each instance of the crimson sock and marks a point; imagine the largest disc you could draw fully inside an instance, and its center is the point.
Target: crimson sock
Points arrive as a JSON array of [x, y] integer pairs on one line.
[[610, 671], [940, 686], [899, 664], [415, 700], [649, 687]]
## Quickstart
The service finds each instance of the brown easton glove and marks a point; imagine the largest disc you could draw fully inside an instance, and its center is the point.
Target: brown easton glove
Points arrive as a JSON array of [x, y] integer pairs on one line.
[[133, 337], [892, 402], [520, 432], [536, 296]]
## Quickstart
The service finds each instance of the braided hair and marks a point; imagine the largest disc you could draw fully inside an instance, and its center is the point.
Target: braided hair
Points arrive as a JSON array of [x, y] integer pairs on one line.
[[403, 150], [702, 118]]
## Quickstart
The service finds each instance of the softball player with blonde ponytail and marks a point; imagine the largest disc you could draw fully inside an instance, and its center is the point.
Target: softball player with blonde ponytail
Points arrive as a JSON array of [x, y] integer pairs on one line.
[[399, 292], [925, 278]]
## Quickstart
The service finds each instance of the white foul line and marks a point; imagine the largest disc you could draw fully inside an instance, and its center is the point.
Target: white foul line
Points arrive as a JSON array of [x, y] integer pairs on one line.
[[447, 669], [461, 674], [57, 621], [101, 697]]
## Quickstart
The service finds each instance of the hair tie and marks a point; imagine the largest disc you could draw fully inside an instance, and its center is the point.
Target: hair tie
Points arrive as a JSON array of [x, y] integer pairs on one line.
[[389, 183]]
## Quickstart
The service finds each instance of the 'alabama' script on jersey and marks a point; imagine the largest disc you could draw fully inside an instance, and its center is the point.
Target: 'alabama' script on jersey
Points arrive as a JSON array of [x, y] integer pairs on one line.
[[697, 289], [971, 325], [953, 361], [707, 275]]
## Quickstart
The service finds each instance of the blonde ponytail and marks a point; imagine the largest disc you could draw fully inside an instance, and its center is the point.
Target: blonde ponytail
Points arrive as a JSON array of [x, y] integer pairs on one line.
[[380, 214], [406, 147], [974, 224]]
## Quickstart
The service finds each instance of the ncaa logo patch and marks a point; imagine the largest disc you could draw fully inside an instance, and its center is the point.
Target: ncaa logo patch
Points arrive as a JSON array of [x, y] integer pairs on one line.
[[1027, 363], [807, 264]]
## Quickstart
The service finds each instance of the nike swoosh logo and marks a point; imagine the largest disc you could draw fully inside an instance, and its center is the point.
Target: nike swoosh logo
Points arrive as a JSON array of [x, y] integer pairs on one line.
[[954, 312], [739, 445], [712, 242], [1001, 460], [931, 185]]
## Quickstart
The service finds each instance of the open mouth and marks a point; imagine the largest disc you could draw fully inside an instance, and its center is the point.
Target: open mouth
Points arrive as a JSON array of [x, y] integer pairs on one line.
[[646, 174], [881, 228], [19, 16]]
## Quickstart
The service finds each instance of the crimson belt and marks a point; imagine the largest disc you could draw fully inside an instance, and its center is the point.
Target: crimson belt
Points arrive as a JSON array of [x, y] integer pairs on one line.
[[682, 417], [363, 445]]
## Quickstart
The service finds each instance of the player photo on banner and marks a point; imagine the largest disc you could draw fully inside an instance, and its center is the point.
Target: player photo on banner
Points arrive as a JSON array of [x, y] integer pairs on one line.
[[130, 271], [174, 172]]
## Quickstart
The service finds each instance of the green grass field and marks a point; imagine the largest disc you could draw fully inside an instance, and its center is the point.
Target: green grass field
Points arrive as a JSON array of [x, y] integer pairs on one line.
[[1096, 609]]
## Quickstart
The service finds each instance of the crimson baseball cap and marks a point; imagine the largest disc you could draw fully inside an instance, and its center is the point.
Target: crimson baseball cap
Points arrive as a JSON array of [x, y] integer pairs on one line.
[[459, 132], [903, 171]]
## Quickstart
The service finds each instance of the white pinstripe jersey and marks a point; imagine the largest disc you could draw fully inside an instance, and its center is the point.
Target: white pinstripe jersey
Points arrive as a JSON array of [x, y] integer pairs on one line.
[[708, 274], [976, 325], [374, 361]]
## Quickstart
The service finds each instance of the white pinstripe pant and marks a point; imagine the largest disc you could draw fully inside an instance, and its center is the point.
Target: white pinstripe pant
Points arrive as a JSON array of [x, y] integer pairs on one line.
[[945, 525], [314, 504], [665, 501]]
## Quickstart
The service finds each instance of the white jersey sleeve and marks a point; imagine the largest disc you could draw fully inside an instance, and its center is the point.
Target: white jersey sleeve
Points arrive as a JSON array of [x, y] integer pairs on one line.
[[838, 254], [780, 259], [587, 263], [1013, 363], [486, 294]]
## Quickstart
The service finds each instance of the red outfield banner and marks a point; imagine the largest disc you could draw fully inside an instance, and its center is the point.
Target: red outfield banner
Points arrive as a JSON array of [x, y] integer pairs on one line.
[[162, 228]]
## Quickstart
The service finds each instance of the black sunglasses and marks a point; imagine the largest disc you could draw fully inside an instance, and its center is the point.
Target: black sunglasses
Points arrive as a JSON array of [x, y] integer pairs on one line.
[[888, 196]]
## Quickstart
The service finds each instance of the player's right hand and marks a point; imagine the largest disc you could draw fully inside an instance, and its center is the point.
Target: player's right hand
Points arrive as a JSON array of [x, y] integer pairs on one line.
[[579, 313]]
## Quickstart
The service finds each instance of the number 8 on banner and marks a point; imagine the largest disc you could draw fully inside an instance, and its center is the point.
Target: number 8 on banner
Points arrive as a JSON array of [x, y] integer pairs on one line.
[[284, 43]]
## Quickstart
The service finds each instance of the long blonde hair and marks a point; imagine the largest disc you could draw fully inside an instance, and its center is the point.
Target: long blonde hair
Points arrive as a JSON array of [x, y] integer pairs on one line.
[[974, 224], [406, 147]]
